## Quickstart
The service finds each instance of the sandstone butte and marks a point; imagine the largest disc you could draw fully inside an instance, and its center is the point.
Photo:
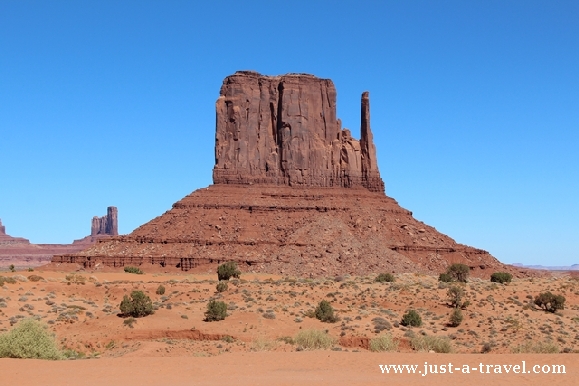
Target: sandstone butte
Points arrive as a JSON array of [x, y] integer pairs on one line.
[[293, 193], [21, 253]]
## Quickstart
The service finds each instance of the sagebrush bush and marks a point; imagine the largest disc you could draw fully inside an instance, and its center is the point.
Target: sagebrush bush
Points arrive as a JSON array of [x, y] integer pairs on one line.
[[29, 339], [136, 270], [221, 286], [228, 270], [160, 290], [35, 278], [411, 318], [385, 278], [536, 348], [456, 318], [456, 297], [314, 339], [501, 277], [550, 302], [383, 342], [75, 278], [7, 279], [431, 343], [216, 310], [445, 278], [325, 312], [137, 305], [459, 272]]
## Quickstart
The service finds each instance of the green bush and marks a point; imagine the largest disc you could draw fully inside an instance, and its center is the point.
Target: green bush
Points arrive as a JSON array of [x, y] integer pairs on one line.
[[35, 278], [501, 277], [222, 286], [431, 343], [456, 296], [160, 290], [445, 278], [216, 310], [550, 302], [385, 278], [456, 318], [228, 270], [129, 269], [314, 339], [138, 305], [459, 272], [383, 343], [29, 339], [411, 318], [325, 312]]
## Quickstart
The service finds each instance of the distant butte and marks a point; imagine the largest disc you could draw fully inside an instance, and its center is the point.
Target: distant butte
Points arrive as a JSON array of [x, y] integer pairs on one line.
[[294, 193], [20, 252]]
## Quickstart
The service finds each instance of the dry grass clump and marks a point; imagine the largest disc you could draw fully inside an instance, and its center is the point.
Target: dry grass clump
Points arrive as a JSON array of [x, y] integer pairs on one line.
[[29, 339], [536, 348], [314, 339], [263, 344], [431, 343], [383, 343]]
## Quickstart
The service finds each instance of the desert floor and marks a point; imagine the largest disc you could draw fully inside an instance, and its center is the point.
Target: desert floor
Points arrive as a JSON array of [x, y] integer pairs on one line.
[[253, 345]]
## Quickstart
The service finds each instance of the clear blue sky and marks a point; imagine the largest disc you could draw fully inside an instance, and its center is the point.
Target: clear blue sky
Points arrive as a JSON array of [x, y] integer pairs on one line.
[[474, 106]]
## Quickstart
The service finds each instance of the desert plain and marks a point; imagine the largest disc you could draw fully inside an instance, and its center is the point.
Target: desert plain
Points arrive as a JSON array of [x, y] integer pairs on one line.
[[256, 342]]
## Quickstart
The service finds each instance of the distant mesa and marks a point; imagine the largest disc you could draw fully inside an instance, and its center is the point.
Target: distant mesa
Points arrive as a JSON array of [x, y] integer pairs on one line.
[[6, 239], [20, 252], [293, 193]]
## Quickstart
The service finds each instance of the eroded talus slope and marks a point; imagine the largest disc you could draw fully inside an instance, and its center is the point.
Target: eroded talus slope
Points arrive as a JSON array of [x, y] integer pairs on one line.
[[315, 231]]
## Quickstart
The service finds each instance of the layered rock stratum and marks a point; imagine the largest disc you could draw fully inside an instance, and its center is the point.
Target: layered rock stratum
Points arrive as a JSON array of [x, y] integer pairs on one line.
[[293, 193]]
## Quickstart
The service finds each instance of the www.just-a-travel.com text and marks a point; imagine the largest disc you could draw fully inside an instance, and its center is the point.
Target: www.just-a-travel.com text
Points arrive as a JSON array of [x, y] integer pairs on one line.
[[449, 368]]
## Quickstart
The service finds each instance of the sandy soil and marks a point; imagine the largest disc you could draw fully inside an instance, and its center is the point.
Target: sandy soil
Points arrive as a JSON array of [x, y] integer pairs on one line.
[[176, 346], [291, 368]]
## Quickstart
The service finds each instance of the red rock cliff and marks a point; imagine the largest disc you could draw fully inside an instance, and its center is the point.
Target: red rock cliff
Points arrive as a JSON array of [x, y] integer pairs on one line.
[[283, 130]]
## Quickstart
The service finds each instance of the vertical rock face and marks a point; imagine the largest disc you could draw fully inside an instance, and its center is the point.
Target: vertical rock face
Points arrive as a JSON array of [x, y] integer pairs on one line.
[[283, 130], [2, 228], [106, 225]]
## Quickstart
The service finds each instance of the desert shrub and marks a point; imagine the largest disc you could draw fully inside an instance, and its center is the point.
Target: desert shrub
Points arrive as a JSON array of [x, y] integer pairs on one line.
[[29, 339], [216, 310], [136, 270], [325, 312], [411, 318], [222, 286], [7, 279], [536, 348], [129, 322], [263, 344], [456, 296], [385, 278], [383, 343], [75, 278], [228, 270], [445, 278], [501, 277], [35, 278], [550, 302], [160, 290], [459, 272], [455, 318], [137, 305], [314, 339], [30, 270], [431, 343], [12, 268]]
